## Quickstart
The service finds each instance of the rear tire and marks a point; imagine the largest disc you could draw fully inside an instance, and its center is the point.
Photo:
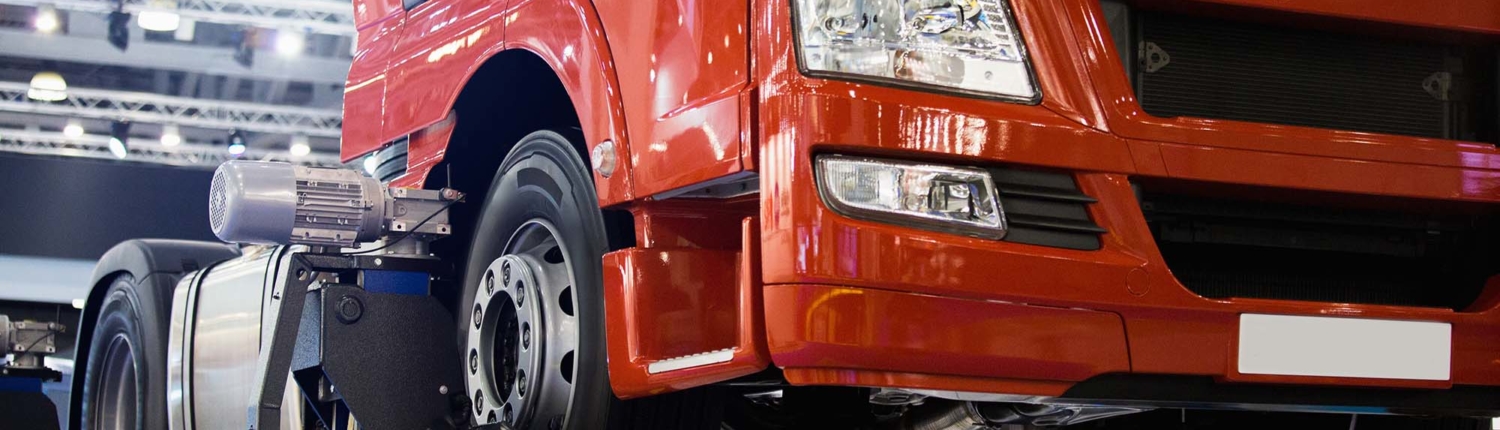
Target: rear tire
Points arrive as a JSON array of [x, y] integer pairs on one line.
[[534, 280], [125, 381]]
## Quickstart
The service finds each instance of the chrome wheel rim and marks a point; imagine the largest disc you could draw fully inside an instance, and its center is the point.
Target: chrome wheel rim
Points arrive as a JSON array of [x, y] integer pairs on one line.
[[115, 394], [524, 336]]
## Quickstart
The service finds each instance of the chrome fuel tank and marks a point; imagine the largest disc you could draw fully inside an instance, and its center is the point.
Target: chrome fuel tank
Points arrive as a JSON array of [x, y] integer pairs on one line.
[[215, 339]]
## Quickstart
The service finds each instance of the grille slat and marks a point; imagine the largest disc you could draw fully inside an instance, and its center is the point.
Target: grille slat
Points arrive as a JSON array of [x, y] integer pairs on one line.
[[1269, 74], [1224, 248], [1046, 208]]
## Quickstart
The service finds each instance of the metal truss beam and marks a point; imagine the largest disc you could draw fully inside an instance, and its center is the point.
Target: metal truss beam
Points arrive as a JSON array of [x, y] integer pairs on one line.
[[318, 16], [160, 109], [187, 154], [145, 54]]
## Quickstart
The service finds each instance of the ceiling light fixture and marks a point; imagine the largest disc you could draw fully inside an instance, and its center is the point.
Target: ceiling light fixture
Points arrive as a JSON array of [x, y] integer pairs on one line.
[[47, 20], [171, 135], [159, 20], [73, 130], [290, 43], [300, 147], [370, 164], [119, 139], [236, 143], [48, 87]]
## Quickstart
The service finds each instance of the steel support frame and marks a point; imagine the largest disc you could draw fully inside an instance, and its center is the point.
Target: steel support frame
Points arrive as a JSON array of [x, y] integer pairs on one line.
[[377, 348]]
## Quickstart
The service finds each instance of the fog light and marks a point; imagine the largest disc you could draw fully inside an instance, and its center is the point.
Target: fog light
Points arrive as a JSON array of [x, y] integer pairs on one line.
[[945, 198]]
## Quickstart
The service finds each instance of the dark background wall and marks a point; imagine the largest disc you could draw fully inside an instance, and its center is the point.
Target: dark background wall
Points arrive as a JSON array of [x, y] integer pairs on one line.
[[78, 208]]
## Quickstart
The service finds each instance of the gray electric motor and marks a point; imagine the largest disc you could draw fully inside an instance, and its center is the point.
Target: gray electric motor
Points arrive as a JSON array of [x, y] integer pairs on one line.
[[281, 204]]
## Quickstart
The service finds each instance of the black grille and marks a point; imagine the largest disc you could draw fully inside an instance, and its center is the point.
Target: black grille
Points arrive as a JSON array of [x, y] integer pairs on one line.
[[1212, 68], [1222, 248], [1046, 208]]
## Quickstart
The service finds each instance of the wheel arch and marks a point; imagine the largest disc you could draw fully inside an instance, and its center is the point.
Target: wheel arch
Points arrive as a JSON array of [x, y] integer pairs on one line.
[[568, 38], [139, 259]]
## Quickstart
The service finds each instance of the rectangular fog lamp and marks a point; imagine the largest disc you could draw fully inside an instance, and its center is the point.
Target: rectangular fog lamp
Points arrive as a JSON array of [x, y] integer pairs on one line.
[[952, 199]]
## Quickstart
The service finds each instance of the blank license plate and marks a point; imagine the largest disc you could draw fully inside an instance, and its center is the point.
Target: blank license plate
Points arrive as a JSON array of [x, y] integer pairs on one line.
[[1344, 347]]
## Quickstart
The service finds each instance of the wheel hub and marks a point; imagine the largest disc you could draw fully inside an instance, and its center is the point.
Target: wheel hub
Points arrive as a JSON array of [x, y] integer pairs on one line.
[[524, 333]]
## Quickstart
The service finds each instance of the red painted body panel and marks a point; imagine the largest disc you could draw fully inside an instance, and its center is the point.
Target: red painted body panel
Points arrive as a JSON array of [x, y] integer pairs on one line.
[[442, 40], [870, 329], [364, 93], [569, 37], [687, 62], [673, 301]]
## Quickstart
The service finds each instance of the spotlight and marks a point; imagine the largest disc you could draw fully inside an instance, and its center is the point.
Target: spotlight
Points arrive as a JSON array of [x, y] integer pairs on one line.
[[119, 139], [299, 146], [170, 135], [48, 87], [236, 143], [244, 53], [73, 130], [290, 43], [119, 29], [46, 18]]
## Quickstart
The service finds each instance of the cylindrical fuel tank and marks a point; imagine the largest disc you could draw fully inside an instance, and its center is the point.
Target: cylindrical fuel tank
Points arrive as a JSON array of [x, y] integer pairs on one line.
[[215, 341]]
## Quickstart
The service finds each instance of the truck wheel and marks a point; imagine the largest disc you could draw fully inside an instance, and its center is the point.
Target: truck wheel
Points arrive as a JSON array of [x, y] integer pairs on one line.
[[533, 329], [126, 374]]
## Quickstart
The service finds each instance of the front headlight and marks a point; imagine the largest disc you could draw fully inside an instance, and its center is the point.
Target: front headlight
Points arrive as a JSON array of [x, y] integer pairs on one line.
[[968, 46], [953, 199]]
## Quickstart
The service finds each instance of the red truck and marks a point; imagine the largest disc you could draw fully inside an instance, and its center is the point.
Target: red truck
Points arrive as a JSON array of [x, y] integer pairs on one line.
[[980, 212]]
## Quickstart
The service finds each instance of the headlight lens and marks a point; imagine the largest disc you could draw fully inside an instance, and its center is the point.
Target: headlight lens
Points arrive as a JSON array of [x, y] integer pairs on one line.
[[969, 46], [952, 199]]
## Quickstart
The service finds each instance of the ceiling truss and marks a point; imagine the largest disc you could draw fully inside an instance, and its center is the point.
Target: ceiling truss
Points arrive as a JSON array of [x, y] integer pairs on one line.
[[161, 109], [185, 154]]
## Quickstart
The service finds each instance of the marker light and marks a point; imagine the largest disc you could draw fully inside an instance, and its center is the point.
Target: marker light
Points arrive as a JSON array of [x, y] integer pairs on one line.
[[958, 200]]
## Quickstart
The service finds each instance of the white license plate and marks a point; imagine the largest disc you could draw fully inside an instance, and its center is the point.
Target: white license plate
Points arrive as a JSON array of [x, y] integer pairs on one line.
[[1344, 347]]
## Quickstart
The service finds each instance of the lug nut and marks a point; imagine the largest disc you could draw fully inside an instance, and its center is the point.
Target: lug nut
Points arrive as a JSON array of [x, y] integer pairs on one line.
[[525, 335], [521, 382], [478, 401], [489, 282], [473, 361], [478, 316], [505, 273]]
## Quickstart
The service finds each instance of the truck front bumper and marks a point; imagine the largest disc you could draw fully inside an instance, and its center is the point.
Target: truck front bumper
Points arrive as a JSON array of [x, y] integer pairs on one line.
[[854, 302]]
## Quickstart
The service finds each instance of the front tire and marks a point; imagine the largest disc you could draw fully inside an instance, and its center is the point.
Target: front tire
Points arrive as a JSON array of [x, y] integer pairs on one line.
[[541, 327], [536, 357]]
